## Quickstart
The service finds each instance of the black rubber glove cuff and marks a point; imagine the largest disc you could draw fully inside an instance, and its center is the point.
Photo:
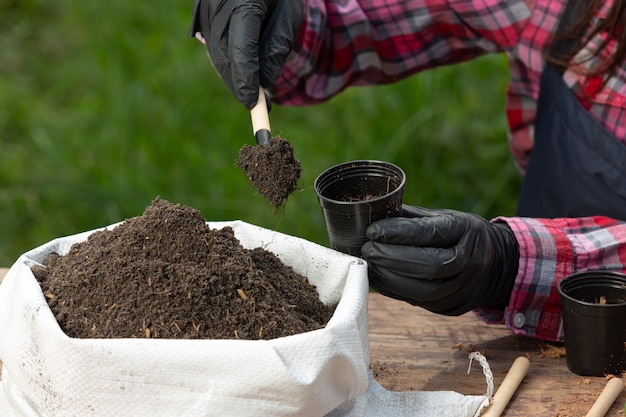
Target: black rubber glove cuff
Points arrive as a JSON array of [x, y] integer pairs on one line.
[[509, 248]]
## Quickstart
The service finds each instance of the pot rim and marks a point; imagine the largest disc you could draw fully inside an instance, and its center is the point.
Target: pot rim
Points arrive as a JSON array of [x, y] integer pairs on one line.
[[361, 162], [582, 277]]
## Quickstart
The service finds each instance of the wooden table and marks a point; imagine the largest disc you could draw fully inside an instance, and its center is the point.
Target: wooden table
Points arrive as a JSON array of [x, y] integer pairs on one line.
[[413, 349]]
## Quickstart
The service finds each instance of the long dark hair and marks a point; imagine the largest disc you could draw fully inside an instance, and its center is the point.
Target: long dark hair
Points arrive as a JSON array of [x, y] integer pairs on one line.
[[612, 25]]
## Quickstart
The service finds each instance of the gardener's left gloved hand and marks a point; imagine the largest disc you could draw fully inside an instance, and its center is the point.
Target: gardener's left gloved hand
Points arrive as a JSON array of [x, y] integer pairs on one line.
[[446, 261]]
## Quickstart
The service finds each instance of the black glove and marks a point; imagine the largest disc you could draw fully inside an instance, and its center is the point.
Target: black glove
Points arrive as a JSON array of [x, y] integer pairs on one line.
[[248, 40], [446, 261]]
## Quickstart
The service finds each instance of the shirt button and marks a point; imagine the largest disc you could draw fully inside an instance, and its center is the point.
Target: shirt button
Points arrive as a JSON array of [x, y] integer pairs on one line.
[[518, 320]]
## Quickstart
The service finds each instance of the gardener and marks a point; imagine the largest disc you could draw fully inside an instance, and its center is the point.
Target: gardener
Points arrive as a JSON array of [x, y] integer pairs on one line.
[[566, 108]]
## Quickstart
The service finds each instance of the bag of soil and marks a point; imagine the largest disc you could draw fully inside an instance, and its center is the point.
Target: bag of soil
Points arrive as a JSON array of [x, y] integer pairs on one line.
[[323, 372]]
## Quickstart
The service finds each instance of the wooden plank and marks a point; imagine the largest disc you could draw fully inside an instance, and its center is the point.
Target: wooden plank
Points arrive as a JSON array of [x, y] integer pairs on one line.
[[413, 349]]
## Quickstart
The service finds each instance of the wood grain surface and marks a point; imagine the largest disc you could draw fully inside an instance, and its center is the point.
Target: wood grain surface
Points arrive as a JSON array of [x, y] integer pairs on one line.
[[413, 349]]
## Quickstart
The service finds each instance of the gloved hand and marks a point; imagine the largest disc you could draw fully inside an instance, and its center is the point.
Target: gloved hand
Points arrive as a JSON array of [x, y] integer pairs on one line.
[[248, 40], [446, 261]]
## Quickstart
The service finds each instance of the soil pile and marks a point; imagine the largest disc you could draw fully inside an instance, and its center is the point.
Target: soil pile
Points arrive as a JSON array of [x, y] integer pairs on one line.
[[167, 274], [272, 169]]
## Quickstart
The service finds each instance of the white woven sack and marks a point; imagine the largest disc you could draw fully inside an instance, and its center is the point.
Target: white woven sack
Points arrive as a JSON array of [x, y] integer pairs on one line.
[[317, 373]]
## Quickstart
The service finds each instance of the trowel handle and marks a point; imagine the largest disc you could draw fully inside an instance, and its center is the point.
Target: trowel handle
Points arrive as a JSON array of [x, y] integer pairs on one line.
[[261, 120]]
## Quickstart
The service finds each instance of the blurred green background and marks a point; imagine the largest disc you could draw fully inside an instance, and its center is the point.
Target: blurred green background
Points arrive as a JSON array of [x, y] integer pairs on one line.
[[106, 105]]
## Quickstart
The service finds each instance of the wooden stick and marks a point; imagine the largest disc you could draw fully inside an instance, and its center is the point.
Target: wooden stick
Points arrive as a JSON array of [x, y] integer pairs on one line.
[[261, 120], [607, 397], [508, 387]]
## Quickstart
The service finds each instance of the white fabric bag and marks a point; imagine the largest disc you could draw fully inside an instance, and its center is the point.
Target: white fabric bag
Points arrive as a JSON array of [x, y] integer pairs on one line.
[[319, 373]]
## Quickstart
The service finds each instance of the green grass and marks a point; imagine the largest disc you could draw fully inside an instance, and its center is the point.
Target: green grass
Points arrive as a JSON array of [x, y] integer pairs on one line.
[[106, 105]]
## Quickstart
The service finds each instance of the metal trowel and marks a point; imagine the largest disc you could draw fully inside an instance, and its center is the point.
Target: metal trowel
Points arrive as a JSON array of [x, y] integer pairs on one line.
[[270, 166]]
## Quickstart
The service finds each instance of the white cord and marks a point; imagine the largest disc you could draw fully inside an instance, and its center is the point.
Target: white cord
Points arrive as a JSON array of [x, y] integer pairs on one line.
[[486, 370]]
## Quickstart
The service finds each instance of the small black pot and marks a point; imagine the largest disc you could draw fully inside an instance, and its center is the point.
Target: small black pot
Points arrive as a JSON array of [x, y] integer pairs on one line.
[[594, 320], [353, 195]]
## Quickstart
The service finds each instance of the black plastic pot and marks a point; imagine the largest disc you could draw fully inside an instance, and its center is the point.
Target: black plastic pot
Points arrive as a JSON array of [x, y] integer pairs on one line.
[[353, 195], [594, 320]]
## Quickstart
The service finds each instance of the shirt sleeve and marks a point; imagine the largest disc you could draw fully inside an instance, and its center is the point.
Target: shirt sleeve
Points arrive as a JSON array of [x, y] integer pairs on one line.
[[367, 42], [550, 250]]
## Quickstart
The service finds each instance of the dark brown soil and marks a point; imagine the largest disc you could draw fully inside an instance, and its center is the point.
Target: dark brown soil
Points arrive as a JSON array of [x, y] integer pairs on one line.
[[272, 169], [167, 274]]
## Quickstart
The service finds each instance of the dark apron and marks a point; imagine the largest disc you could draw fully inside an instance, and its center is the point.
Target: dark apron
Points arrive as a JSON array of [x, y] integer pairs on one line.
[[577, 168]]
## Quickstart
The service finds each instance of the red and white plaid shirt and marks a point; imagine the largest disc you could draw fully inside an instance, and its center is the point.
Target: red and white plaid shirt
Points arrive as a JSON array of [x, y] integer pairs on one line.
[[550, 250], [346, 43]]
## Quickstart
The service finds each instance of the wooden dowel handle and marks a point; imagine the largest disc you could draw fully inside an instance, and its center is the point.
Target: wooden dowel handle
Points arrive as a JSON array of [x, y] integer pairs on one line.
[[261, 119], [607, 397], [509, 385]]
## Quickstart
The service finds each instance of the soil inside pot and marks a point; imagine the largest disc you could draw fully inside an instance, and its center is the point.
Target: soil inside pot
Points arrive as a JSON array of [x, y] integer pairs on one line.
[[167, 274], [272, 169]]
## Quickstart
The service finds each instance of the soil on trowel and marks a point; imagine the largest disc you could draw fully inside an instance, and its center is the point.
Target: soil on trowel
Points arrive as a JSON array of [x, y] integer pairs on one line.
[[167, 274], [272, 169]]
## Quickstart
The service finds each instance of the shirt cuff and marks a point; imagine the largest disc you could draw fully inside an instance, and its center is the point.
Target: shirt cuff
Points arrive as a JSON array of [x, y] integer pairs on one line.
[[546, 257]]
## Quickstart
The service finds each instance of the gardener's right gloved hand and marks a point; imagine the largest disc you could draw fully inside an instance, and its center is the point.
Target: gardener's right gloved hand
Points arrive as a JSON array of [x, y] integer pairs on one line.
[[248, 40]]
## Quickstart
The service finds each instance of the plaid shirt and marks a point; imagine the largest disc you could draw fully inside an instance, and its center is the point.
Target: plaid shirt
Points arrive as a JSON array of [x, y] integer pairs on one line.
[[367, 42], [346, 43], [550, 250]]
